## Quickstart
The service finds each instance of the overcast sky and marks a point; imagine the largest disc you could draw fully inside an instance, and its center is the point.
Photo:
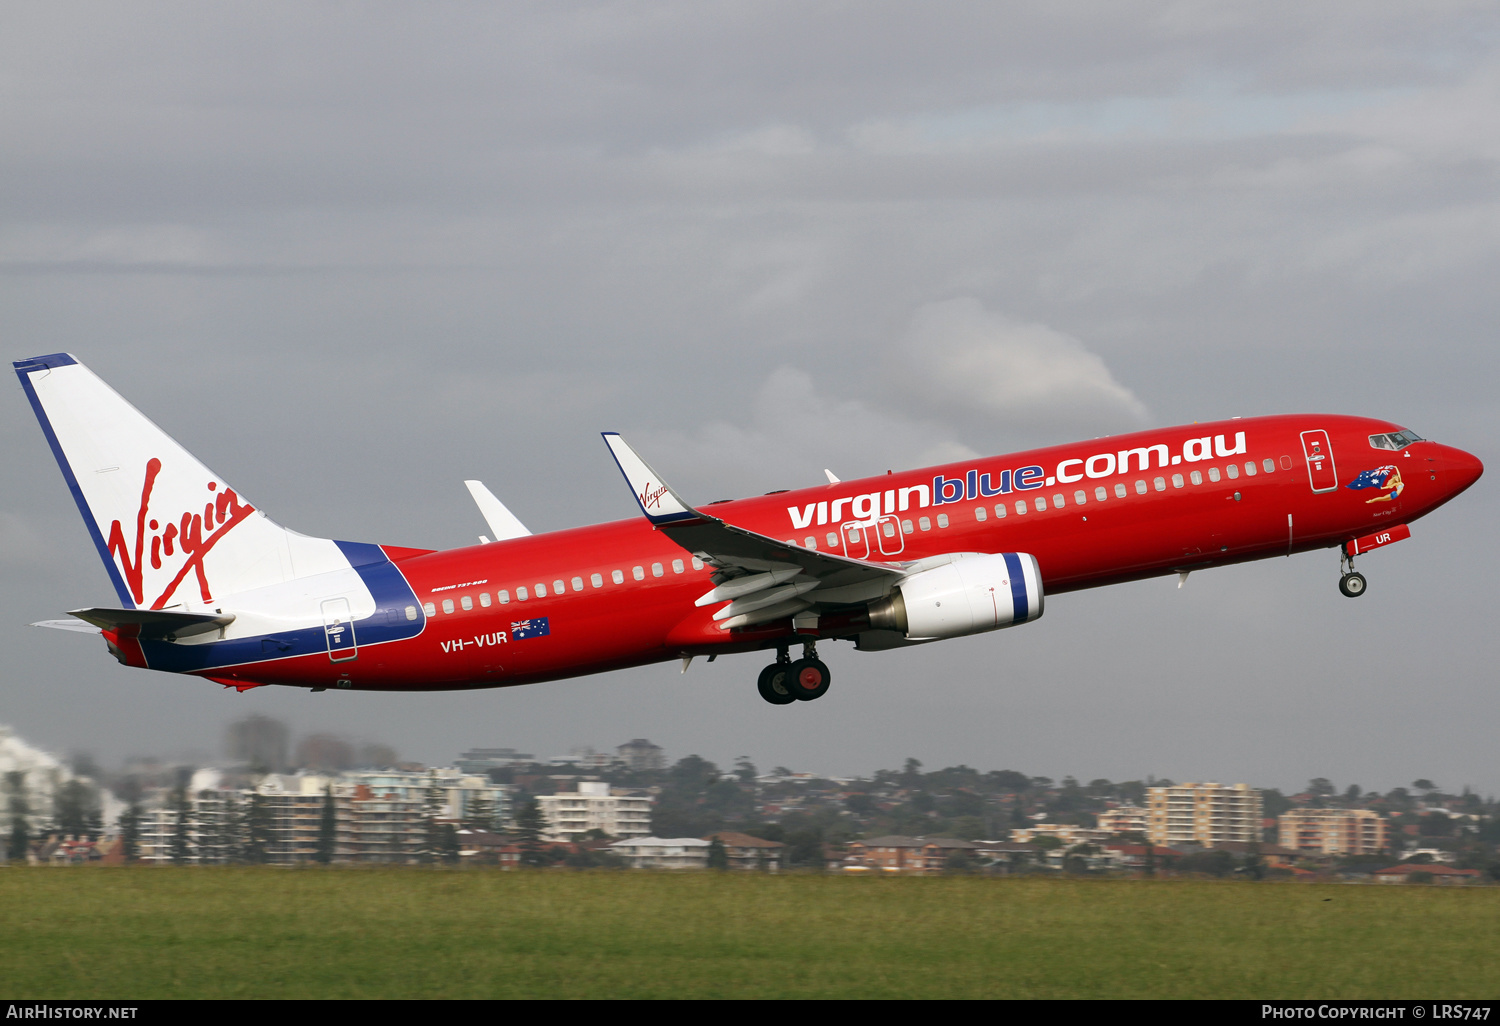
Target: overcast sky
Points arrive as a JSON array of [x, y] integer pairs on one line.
[[353, 254]]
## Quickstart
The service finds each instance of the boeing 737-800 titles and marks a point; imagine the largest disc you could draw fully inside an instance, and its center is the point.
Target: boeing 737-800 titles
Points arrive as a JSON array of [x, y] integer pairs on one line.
[[208, 585]]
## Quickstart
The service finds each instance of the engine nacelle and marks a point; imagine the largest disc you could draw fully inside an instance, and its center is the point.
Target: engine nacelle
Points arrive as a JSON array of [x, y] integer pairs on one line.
[[971, 594]]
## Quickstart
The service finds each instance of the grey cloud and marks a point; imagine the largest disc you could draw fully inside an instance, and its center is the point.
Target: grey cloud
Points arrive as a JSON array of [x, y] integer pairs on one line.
[[962, 360], [796, 430]]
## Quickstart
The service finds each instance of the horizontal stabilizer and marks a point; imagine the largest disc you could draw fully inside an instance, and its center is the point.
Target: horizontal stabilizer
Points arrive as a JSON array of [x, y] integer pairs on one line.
[[501, 520], [154, 624], [68, 625]]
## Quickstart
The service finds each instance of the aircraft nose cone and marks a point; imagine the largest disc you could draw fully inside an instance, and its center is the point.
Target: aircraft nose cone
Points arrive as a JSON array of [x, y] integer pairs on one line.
[[1458, 469], [1466, 468]]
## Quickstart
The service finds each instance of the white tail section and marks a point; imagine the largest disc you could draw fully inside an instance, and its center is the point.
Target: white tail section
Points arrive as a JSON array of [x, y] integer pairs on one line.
[[172, 533]]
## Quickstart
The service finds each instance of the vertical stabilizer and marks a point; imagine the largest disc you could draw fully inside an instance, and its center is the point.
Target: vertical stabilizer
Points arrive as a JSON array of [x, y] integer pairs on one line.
[[171, 532]]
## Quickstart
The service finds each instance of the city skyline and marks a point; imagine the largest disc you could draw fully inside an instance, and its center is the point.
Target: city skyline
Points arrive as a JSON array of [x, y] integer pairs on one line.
[[354, 259]]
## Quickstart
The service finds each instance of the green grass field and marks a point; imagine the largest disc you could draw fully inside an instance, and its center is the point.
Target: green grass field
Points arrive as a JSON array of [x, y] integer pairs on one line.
[[420, 933]]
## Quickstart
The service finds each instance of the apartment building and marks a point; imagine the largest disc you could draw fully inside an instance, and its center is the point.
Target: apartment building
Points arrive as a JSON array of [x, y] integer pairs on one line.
[[570, 815], [1334, 831], [1126, 819], [1205, 814], [1067, 834], [663, 852]]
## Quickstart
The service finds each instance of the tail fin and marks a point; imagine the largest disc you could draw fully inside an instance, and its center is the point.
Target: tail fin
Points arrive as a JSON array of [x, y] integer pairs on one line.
[[171, 532]]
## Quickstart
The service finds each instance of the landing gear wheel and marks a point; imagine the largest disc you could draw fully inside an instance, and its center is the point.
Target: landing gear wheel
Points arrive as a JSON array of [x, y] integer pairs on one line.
[[807, 679], [1352, 584], [772, 685]]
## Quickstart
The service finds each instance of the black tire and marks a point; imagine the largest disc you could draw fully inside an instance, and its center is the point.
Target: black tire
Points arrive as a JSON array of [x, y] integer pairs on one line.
[[1352, 585], [807, 679], [772, 685]]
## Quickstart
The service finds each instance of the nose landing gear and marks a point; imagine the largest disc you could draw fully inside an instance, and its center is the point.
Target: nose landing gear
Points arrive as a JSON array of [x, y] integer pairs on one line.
[[784, 681], [1351, 583]]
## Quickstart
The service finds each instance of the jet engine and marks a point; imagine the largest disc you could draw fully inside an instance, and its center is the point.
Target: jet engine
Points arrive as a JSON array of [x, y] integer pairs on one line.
[[971, 594]]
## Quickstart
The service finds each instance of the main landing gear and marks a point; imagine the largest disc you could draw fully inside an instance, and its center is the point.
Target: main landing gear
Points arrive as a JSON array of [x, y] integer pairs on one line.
[[785, 682], [1351, 583]]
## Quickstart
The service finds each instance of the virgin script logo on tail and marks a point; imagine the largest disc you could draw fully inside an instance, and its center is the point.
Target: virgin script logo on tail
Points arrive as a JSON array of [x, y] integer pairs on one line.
[[186, 538]]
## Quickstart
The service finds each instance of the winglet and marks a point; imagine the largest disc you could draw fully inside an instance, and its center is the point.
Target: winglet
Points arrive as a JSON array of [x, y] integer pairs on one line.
[[501, 520], [658, 502]]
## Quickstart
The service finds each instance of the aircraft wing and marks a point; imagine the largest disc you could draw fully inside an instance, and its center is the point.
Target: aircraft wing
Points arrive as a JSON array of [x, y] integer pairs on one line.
[[762, 578]]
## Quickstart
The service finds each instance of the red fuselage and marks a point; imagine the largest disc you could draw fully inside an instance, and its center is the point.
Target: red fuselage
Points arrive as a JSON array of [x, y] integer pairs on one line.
[[1092, 513]]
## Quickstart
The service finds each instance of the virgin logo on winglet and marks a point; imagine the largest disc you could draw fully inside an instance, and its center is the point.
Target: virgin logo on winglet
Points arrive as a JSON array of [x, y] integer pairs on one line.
[[188, 537], [652, 499]]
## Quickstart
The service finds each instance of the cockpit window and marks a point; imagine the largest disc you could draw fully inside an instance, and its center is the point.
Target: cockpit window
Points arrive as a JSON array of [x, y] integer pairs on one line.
[[1394, 440]]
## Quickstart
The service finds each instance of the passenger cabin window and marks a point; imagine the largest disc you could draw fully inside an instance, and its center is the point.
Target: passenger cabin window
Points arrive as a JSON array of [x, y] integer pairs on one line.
[[466, 601], [541, 590], [484, 599], [942, 520], [832, 539], [979, 514], [1161, 484], [1100, 493], [677, 565], [639, 573], [1020, 506], [657, 570], [1119, 489], [809, 541], [924, 524], [597, 580], [1196, 477], [1233, 470], [1080, 497], [905, 527], [1213, 473], [890, 529], [429, 609], [697, 563], [1140, 488], [521, 595], [1041, 503], [1177, 481], [1250, 469], [1000, 510], [411, 612], [578, 584], [1269, 465], [503, 596], [1058, 501], [447, 605], [618, 576]]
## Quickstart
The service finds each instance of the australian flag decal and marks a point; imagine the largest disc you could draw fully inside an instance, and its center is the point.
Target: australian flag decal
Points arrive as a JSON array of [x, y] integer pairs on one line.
[[535, 628], [1387, 480]]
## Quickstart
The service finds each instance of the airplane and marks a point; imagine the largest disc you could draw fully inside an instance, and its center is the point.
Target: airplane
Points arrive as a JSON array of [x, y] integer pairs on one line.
[[208, 585]]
